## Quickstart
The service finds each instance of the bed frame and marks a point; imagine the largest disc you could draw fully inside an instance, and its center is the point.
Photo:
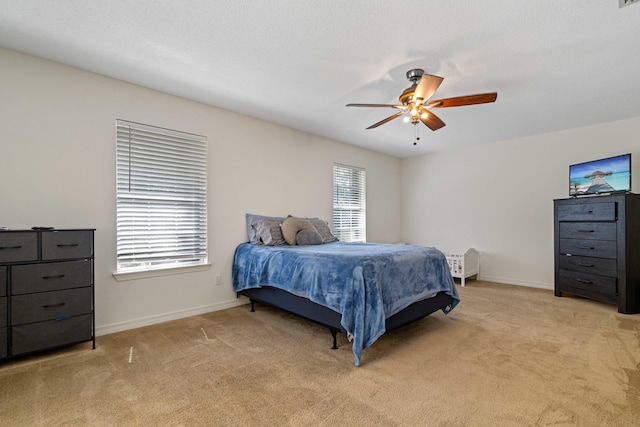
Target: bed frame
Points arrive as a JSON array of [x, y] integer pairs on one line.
[[324, 316]]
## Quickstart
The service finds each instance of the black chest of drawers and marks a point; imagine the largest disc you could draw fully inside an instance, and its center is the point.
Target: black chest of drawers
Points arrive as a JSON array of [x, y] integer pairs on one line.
[[597, 249], [46, 290]]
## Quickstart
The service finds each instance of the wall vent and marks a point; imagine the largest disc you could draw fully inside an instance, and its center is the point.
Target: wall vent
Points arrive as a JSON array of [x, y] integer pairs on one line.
[[624, 3]]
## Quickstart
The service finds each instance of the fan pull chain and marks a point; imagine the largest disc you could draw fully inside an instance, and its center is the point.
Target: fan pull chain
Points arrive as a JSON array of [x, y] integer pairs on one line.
[[416, 134]]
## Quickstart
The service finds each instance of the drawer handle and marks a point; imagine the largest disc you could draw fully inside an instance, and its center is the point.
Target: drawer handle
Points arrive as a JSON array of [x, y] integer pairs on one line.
[[586, 247], [68, 245], [586, 231], [588, 282], [57, 319], [11, 247], [59, 276], [582, 264], [60, 304]]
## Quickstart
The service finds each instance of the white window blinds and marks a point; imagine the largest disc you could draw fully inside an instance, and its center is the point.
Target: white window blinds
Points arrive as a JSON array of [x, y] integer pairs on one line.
[[349, 203], [161, 197]]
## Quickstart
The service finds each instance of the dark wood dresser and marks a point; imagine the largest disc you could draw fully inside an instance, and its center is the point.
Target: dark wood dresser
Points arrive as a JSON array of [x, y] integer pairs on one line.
[[46, 290], [597, 249]]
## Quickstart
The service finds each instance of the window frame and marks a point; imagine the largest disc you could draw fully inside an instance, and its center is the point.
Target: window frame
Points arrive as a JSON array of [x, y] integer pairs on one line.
[[161, 201], [349, 203]]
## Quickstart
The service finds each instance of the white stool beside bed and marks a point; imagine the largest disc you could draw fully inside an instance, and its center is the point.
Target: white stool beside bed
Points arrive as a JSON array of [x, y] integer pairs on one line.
[[465, 265]]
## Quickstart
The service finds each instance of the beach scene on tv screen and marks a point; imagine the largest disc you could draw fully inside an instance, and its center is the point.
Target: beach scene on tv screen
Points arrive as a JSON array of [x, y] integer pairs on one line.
[[600, 176]]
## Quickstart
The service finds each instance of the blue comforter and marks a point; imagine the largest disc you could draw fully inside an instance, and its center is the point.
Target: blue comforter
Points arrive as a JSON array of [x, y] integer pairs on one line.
[[365, 282]]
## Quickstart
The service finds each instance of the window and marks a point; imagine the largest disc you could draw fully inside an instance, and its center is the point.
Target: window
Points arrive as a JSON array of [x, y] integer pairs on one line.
[[349, 204], [161, 197]]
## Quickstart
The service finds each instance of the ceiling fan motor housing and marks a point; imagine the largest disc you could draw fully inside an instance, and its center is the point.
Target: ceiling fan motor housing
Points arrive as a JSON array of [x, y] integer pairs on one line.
[[414, 77]]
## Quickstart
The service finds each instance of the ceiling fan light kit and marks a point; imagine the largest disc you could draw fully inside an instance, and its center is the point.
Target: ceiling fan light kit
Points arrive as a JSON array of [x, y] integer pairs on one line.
[[414, 102]]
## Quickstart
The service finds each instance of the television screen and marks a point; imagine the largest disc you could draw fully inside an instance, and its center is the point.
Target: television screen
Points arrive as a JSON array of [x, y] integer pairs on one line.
[[601, 176]]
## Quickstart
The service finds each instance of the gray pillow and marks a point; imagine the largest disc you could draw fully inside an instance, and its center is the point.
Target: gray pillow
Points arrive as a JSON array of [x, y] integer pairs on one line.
[[250, 219], [268, 232], [308, 237], [323, 229]]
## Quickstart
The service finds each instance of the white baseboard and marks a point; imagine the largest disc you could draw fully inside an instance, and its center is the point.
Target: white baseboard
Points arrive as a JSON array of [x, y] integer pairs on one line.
[[165, 317], [548, 286]]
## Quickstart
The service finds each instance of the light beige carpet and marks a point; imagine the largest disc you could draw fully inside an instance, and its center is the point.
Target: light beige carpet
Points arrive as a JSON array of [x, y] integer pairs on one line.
[[506, 356]]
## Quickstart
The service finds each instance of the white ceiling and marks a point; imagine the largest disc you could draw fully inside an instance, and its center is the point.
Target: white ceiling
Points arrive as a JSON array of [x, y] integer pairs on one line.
[[555, 64]]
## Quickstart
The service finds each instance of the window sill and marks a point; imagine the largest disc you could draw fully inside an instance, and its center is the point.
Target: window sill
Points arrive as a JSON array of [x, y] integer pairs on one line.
[[144, 274]]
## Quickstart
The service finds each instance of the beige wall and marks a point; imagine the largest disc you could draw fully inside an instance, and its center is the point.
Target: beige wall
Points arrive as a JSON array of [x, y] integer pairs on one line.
[[57, 168], [498, 197]]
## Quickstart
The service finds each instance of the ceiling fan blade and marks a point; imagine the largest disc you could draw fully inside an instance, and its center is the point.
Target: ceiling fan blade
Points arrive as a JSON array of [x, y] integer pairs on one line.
[[459, 101], [402, 107], [426, 88], [388, 119], [432, 121]]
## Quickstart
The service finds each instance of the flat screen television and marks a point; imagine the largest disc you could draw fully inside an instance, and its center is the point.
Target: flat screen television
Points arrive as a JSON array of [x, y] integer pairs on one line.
[[609, 175]]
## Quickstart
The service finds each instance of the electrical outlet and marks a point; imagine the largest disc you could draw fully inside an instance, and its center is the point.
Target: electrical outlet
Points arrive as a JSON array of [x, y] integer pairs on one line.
[[218, 280]]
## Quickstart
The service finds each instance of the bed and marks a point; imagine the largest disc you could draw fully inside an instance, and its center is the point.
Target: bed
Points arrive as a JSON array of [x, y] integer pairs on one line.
[[361, 289]]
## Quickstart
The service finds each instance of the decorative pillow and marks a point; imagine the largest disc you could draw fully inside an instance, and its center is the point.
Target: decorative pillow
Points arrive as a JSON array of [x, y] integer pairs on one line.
[[250, 219], [308, 237], [291, 226], [323, 229], [268, 232]]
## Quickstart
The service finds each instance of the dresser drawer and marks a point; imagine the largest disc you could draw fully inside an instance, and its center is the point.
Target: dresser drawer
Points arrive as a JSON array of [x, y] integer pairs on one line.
[[50, 305], [3, 342], [589, 248], [587, 212], [49, 334], [3, 312], [3, 281], [18, 246], [588, 265], [67, 244], [588, 285], [588, 230], [52, 276]]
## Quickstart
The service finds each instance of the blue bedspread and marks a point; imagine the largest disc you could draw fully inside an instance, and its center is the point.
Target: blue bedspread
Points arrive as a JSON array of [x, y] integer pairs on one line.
[[365, 282]]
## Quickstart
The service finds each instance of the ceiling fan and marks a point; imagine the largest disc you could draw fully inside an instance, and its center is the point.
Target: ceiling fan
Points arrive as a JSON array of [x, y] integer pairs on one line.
[[414, 101]]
